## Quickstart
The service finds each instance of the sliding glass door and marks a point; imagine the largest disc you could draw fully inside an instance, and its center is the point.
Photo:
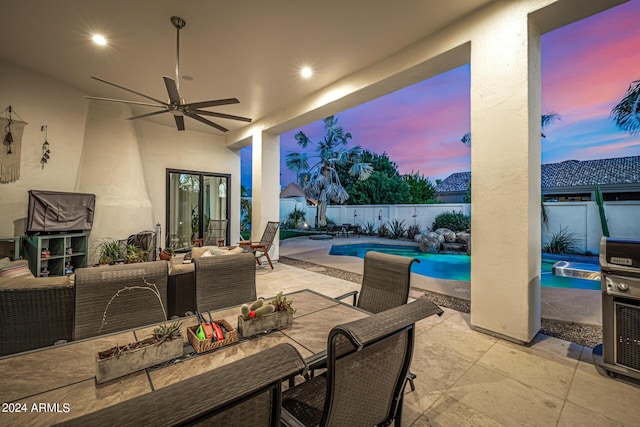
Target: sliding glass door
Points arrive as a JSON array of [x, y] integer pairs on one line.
[[194, 199]]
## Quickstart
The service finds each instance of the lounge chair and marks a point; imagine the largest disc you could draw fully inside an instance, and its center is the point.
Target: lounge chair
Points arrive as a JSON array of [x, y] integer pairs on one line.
[[368, 361], [261, 248]]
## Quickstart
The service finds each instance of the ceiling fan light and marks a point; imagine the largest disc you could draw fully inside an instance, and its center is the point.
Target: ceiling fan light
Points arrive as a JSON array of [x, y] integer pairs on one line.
[[306, 72], [99, 40]]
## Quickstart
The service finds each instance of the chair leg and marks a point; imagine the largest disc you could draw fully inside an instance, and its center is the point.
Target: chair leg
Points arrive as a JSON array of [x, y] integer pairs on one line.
[[266, 254], [411, 376]]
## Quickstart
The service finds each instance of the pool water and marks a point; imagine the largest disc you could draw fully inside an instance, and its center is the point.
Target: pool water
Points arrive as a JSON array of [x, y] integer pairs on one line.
[[456, 267]]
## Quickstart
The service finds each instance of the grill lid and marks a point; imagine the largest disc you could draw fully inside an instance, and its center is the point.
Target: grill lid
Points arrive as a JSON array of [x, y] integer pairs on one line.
[[620, 255]]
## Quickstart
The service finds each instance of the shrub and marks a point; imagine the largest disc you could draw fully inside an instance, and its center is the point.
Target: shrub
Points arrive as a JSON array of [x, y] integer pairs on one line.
[[412, 231], [454, 221], [383, 231], [369, 229], [562, 242], [295, 219], [397, 229]]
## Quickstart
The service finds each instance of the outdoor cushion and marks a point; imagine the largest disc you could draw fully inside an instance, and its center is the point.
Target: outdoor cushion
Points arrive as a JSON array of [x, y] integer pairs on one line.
[[9, 269]]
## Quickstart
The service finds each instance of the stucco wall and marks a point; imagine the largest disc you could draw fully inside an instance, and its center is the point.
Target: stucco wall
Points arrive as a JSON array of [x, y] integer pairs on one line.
[[95, 150]]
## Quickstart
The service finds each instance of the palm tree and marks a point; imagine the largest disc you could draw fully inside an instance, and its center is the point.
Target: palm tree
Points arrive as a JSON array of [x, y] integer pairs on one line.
[[546, 120], [627, 112], [321, 181]]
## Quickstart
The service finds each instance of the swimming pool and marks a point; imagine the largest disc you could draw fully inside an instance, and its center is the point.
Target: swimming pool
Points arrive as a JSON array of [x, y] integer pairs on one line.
[[456, 267]]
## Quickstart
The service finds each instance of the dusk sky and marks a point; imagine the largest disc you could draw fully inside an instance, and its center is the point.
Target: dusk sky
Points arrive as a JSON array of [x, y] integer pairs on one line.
[[586, 69]]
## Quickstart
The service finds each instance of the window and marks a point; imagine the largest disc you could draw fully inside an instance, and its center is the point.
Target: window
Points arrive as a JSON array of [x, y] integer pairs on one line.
[[193, 199]]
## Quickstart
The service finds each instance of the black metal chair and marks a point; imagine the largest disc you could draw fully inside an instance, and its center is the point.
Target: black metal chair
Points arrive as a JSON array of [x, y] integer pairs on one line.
[[367, 365], [224, 280], [247, 391], [95, 290], [385, 284]]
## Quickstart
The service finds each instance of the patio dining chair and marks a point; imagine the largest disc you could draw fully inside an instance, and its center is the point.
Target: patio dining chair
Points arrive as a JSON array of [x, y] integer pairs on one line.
[[261, 248], [385, 284], [368, 361], [248, 389], [224, 280]]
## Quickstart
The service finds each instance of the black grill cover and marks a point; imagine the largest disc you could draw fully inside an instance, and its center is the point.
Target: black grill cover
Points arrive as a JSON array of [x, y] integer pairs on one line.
[[59, 212]]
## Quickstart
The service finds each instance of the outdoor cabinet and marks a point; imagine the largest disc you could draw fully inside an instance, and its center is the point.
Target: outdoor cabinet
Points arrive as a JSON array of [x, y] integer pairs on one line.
[[56, 254]]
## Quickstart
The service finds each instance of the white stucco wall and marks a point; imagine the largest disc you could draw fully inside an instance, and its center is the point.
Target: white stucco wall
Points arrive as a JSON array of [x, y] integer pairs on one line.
[[95, 150], [40, 101]]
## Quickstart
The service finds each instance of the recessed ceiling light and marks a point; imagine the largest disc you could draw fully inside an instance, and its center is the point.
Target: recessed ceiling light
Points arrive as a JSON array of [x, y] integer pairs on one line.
[[187, 78], [306, 72], [99, 40]]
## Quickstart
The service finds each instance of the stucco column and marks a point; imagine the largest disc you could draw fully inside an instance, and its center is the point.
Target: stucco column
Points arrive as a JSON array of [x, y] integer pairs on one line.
[[265, 186], [505, 176], [111, 168]]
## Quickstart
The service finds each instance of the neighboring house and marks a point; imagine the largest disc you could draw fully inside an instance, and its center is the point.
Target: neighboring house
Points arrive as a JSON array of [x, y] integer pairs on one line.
[[294, 191], [568, 181]]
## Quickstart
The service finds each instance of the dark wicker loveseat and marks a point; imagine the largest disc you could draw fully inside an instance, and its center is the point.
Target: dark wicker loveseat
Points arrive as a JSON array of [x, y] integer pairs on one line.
[[34, 312]]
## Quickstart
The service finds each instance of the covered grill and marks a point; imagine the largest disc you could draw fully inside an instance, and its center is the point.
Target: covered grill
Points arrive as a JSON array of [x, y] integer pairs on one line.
[[619, 352]]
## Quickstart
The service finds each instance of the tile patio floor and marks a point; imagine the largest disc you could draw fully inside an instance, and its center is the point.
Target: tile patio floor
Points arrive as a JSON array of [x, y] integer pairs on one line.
[[466, 378]]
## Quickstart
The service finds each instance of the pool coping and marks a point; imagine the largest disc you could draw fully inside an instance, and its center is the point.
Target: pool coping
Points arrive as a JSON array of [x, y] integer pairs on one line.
[[578, 306]]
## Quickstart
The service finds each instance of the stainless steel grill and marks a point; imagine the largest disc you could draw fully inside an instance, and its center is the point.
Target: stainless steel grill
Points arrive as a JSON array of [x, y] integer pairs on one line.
[[619, 352]]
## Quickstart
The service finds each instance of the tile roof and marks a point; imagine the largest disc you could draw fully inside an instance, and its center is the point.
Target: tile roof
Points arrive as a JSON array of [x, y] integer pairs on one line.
[[570, 173]]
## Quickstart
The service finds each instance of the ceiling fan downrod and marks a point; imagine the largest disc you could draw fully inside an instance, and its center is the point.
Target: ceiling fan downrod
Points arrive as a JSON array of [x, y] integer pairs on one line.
[[179, 23]]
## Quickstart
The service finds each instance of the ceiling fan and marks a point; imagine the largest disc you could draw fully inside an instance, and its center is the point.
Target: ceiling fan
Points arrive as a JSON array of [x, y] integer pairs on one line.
[[176, 104]]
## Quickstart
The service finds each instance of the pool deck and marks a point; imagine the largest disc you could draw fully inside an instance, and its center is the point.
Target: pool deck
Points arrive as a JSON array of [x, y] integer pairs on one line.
[[568, 305]]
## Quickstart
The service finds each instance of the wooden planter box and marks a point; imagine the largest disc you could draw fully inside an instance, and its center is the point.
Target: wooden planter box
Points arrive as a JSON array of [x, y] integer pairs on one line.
[[137, 359], [270, 322]]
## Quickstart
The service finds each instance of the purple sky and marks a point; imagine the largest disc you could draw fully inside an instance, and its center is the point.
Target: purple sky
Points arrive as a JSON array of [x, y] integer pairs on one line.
[[586, 69]]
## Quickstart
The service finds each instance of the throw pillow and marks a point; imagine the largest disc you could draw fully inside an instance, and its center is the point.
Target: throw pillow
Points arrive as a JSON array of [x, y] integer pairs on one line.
[[4, 263], [21, 270], [206, 253], [237, 250]]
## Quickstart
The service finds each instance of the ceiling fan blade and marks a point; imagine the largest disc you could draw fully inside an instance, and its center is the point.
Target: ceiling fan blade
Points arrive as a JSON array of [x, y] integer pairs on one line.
[[146, 104], [221, 115], [214, 103], [129, 90], [206, 122], [172, 89], [141, 116], [179, 122]]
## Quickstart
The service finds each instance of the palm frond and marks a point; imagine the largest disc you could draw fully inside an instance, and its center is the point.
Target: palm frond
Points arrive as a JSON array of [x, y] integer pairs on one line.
[[626, 113]]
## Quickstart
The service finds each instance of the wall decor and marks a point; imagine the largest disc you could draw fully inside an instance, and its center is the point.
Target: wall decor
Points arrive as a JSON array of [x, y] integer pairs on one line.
[[12, 146], [45, 147]]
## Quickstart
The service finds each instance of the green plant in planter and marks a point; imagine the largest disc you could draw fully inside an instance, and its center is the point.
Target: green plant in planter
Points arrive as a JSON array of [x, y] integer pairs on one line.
[[108, 250], [167, 331], [281, 303], [397, 229]]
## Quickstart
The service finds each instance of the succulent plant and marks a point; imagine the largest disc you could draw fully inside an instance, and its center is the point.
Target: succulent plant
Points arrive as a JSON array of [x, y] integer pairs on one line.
[[167, 331], [281, 303]]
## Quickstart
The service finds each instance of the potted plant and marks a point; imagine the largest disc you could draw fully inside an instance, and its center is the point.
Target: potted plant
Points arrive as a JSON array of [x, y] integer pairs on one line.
[[265, 317], [108, 251], [164, 344], [166, 254]]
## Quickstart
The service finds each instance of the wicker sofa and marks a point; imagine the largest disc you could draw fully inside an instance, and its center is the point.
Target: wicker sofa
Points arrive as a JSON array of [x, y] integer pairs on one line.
[[38, 312], [34, 312]]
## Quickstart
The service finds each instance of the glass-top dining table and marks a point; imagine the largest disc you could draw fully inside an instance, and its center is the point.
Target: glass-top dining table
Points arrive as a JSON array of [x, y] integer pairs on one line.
[[54, 384]]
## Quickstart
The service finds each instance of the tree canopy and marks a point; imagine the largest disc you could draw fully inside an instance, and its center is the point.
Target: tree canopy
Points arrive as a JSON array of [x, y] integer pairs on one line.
[[626, 113]]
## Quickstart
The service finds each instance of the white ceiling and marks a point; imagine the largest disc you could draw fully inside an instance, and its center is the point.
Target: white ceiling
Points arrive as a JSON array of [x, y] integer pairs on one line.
[[248, 49]]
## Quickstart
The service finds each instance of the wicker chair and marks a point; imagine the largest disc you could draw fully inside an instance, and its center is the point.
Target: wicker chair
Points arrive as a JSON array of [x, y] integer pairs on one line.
[[224, 280], [261, 248], [34, 313], [368, 361], [95, 286], [244, 392]]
